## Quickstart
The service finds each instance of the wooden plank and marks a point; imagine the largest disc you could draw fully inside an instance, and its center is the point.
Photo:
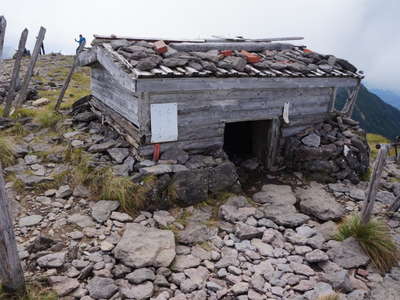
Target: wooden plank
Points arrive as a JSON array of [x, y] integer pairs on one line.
[[69, 76], [194, 146], [123, 126], [15, 73], [87, 57], [110, 92], [11, 273], [24, 88], [369, 201], [248, 46], [119, 75], [268, 94], [273, 143], [333, 99], [212, 83], [3, 26]]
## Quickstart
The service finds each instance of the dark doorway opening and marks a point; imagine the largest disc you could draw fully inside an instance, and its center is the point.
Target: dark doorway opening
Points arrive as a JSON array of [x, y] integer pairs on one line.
[[244, 140]]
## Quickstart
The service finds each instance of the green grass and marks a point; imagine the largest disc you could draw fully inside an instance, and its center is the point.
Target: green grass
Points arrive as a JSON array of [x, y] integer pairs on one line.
[[35, 291], [373, 140], [48, 119], [374, 238], [332, 296], [7, 157]]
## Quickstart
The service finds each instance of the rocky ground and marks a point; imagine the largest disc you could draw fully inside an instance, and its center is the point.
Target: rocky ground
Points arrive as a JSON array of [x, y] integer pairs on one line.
[[272, 241]]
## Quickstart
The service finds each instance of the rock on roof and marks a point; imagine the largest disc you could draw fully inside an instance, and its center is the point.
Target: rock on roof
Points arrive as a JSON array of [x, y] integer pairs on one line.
[[150, 58]]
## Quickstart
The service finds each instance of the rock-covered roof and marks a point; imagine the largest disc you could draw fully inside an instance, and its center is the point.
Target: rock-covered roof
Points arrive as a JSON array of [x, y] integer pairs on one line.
[[152, 58]]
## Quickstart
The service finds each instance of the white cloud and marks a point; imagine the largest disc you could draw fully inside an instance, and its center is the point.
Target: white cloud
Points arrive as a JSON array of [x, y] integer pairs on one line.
[[363, 31]]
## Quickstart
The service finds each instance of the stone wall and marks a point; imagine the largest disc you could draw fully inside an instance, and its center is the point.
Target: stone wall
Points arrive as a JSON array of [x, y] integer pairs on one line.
[[333, 150]]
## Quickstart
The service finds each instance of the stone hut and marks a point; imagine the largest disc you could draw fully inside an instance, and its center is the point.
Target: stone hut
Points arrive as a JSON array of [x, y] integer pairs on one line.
[[243, 96]]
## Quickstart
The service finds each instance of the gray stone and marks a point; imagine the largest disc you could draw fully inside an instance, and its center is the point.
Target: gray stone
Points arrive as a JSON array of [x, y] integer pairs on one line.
[[247, 232], [317, 202], [101, 147], [316, 256], [64, 191], [32, 180], [240, 288], [163, 217], [121, 217], [312, 140], [357, 194], [195, 233], [86, 116], [31, 159], [302, 269], [81, 220], [118, 154], [62, 285], [81, 191], [53, 260], [222, 177], [162, 169], [274, 194], [141, 275], [183, 262], [176, 154], [30, 220], [101, 288], [385, 197], [190, 187], [348, 254], [142, 246], [101, 210], [285, 215]]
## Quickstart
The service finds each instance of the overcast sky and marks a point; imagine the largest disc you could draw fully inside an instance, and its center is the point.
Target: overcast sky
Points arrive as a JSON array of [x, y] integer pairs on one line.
[[362, 31]]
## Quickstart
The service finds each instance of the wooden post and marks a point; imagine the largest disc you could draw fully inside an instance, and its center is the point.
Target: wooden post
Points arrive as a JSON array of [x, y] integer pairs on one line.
[[373, 184], [15, 73], [11, 273], [351, 101], [68, 79], [3, 25], [24, 89]]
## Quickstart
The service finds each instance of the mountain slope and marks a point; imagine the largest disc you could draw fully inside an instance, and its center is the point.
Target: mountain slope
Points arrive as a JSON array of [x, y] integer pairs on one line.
[[374, 115], [388, 96]]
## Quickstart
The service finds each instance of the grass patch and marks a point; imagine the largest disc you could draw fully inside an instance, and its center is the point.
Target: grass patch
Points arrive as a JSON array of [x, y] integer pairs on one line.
[[7, 157], [48, 119], [35, 291], [374, 238], [374, 139], [331, 296]]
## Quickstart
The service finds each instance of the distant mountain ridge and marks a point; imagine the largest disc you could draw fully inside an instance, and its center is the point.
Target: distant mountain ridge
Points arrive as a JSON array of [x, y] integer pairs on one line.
[[388, 96], [374, 114]]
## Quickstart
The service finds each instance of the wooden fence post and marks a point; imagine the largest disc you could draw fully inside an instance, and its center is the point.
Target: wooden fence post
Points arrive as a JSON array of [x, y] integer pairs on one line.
[[373, 184], [11, 273], [68, 79], [24, 89], [3, 25], [15, 73]]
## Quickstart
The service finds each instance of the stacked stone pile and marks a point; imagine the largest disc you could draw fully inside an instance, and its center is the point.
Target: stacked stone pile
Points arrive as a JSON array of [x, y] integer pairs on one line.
[[333, 150]]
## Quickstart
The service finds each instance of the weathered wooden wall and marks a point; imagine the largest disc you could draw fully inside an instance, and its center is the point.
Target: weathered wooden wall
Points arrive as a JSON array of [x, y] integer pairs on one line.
[[113, 94], [202, 114]]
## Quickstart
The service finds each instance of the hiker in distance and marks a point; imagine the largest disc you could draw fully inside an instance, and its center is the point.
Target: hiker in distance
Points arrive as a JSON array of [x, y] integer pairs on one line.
[[81, 42]]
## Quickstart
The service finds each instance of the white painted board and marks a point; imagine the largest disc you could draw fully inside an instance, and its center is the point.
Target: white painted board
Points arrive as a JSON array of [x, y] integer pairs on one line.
[[164, 122]]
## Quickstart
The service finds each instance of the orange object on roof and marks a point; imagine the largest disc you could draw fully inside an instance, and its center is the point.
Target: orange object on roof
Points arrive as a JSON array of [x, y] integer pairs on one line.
[[226, 52], [250, 57]]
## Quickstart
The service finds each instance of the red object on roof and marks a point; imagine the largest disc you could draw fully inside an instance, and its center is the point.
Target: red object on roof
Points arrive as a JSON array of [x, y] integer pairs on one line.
[[250, 57], [307, 50], [160, 47], [226, 52]]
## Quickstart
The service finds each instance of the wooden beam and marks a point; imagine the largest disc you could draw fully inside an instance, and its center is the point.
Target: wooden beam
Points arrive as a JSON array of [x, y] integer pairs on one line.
[[3, 26], [373, 184], [11, 273], [15, 73], [68, 79], [24, 89], [154, 39], [87, 57], [248, 46], [333, 99], [107, 60], [274, 133], [213, 83]]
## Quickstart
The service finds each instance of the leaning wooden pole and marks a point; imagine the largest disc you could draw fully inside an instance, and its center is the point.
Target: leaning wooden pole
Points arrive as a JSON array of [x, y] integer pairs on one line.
[[3, 25], [68, 79], [11, 273], [15, 73], [373, 184], [24, 89]]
